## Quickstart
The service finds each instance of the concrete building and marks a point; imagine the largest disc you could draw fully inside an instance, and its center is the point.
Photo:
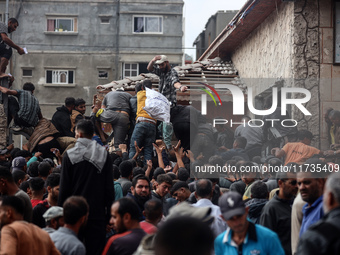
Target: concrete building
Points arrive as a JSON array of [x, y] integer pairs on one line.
[[287, 44], [214, 26], [75, 45]]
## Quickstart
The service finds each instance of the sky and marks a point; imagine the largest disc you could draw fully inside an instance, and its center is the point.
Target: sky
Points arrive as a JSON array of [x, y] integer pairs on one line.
[[197, 13]]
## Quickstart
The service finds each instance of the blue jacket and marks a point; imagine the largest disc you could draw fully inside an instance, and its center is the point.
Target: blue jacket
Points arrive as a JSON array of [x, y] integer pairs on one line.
[[311, 214], [259, 240]]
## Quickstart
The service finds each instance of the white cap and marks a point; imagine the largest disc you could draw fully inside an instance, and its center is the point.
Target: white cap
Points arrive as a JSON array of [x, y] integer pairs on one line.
[[163, 59]]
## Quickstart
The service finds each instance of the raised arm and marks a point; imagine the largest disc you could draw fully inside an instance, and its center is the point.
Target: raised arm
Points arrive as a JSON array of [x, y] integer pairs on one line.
[[8, 91], [151, 63], [9, 42]]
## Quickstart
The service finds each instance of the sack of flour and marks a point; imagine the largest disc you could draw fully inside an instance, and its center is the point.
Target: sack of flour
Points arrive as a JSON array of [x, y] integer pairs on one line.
[[157, 106]]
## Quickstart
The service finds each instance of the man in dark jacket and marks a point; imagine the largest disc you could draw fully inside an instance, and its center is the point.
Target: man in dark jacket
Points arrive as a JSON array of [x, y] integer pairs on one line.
[[185, 120], [204, 141], [163, 186], [62, 117], [323, 236], [87, 171], [259, 198], [277, 213]]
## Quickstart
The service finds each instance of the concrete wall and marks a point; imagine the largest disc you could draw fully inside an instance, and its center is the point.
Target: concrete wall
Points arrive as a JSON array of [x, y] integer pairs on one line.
[[266, 55], [92, 47], [307, 63], [214, 26], [294, 44], [143, 47], [329, 73], [200, 44]]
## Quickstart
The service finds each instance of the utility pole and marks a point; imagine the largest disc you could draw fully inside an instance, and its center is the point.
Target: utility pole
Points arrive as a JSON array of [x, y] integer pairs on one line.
[[4, 138], [7, 12], [117, 40]]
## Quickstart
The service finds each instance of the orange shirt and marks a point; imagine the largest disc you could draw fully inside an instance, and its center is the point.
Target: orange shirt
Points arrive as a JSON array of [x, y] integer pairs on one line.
[[298, 152]]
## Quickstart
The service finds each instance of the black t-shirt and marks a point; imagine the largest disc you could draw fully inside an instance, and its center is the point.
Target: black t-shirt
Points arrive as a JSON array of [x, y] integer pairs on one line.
[[125, 243], [38, 212]]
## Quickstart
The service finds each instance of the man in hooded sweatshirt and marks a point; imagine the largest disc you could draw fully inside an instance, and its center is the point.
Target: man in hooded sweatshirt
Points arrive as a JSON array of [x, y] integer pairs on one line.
[[259, 198], [87, 171]]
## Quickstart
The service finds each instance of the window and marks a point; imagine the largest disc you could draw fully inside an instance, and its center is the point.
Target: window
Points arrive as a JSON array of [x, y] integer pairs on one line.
[[61, 24], [27, 72], [103, 74], [105, 20], [148, 24], [2, 17], [130, 69], [337, 32], [60, 76], [143, 68]]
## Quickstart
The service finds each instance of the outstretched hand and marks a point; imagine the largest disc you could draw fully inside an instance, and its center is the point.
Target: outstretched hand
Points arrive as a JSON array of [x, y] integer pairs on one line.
[[138, 150], [158, 149]]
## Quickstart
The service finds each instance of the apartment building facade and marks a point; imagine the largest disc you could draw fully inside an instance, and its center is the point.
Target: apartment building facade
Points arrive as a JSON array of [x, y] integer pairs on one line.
[[75, 45]]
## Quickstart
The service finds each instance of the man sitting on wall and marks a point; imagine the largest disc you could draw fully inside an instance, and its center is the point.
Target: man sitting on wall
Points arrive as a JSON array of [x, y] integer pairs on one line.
[[26, 111]]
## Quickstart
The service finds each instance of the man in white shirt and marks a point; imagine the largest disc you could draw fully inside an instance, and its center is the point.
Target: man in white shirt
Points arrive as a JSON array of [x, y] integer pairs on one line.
[[203, 195]]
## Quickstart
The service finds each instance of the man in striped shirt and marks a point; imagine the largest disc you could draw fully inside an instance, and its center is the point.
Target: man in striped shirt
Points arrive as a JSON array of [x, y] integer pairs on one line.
[[26, 111]]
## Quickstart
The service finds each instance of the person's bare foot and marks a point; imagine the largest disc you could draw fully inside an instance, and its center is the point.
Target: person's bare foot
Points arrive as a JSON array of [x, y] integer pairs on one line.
[[3, 75]]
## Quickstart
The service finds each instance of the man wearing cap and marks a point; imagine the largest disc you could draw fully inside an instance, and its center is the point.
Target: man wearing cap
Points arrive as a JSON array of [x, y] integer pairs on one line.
[[243, 236], [54, 218], [168, 78], [19, 163], [298, 152], [168, 83]]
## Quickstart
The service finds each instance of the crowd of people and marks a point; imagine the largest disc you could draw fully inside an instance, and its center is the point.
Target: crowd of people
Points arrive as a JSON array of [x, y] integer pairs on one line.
[[67, 192]]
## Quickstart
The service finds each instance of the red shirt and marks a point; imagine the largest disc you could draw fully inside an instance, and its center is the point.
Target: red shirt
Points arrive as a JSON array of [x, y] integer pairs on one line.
[[148, 227], [125, 243], [35, 202]]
